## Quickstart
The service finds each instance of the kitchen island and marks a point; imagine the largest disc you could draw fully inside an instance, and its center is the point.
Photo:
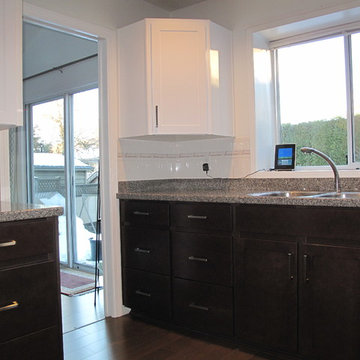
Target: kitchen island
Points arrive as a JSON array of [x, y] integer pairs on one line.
[[279, 275], [30, 307]]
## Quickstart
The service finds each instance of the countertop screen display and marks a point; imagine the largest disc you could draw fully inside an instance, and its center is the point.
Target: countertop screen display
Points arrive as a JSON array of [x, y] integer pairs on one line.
[[285, 157]]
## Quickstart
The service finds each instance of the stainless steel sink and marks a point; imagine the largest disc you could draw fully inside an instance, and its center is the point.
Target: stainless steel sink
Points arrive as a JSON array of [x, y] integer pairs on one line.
[[309, 194], [340, 195], [288, 194]]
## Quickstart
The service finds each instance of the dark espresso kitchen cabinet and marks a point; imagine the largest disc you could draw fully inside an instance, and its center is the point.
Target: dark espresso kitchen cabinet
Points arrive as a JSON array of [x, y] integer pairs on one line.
[[177, 263], [330, 302], [146, 258], [284, 280], [30, 313], [202, 267], [298, 268], [266, 292]]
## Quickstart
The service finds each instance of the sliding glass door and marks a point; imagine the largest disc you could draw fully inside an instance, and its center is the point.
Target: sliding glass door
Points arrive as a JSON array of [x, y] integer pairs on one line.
[[86, 151], [64, 168]]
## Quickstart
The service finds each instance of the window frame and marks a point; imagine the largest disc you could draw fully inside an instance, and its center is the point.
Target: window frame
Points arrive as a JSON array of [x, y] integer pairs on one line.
[[346, 31]]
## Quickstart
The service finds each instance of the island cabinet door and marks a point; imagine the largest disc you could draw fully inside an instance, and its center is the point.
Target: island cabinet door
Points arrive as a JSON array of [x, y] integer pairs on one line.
[[266, 293], [330, 302]]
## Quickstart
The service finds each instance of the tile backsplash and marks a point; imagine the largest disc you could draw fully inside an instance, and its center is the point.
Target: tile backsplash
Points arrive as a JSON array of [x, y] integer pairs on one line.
[[146, 159]]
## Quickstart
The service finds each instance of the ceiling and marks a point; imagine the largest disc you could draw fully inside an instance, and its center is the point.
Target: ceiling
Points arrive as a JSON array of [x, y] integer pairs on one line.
[[45, 49], [172, 5]]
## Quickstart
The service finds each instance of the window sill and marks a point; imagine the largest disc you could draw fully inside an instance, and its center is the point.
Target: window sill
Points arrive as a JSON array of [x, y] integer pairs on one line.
[[318, 173]]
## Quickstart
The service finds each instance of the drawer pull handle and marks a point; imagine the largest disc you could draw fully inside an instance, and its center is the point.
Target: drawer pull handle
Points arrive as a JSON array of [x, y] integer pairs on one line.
[[198, 307], [142, 293], [8, 243], [291, 275], [11, 306], [194, 258], [198, 217], [142, 251], [141, 213], [306, 278]]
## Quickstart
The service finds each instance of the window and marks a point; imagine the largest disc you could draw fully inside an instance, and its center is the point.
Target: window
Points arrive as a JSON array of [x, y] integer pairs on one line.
[[318, 97]]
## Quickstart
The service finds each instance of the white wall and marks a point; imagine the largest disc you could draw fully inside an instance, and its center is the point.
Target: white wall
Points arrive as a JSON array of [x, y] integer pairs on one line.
[[245, 17], [227, 158]]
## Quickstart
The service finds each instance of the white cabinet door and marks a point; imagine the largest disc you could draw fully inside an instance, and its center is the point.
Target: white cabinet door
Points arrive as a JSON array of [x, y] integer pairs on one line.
[[166, 79], [179, 77], [11, 106]]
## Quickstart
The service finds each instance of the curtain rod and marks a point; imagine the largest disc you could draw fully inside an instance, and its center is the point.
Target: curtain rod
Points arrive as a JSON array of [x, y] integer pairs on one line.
[[60, 67]]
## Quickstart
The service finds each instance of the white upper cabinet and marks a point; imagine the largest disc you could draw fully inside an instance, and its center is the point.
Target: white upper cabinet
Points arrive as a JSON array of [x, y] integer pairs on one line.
[[11, 103], [175, 78]]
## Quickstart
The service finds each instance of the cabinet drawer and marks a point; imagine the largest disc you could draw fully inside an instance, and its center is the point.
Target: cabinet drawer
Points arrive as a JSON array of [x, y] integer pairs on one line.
[[202, 216], [145, 213], [146, 249], [29, 294], [202, 257], [27, 239], [39, 345], [147, 293], [203, 307]]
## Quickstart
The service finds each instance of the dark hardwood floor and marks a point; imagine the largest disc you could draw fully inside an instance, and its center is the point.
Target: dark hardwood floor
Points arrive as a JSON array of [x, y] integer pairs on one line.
[[125, 338]]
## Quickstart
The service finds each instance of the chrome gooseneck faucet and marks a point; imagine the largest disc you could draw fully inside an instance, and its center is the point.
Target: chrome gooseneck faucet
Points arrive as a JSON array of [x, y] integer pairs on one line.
[[309, 150]]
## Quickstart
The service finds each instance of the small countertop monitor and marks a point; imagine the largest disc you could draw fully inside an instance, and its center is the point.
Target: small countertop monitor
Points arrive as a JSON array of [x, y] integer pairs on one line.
[[285, 157]]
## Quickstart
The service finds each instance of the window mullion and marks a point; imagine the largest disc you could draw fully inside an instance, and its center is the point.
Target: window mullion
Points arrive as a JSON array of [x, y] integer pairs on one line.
[[69, 176], [29, 145], [349, 98]]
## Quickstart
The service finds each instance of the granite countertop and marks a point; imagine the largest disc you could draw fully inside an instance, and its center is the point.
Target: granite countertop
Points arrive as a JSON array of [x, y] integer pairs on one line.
[[237, 190], [13, 212]]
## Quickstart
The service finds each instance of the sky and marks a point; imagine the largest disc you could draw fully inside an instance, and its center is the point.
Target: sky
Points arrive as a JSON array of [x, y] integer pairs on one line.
[[86, 118], [312, 82]]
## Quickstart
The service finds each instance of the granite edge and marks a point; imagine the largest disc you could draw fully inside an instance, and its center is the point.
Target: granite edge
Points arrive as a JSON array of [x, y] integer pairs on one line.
[[30, 213]]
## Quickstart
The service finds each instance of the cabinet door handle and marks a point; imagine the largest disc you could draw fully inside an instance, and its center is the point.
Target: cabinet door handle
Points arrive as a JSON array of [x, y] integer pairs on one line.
[[142, 251], [306, 279], [8, 243], [194, 258], [141, 213], [290, 257], [157, 116], [199, 217], [11, 306], [142, 293], [198, 307]]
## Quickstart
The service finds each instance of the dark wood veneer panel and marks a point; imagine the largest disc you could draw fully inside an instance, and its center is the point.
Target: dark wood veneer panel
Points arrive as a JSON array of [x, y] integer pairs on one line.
[[144, 213], [266, 292], [146, 249], [203, 307], [45, 344], [202, 216], [147, 293], [34, 238], [330, 303], [202, 257], [270, 219], [332, 223], [35, 290]]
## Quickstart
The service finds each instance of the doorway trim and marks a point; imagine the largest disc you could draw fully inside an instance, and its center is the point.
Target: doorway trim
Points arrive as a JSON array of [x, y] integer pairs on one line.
[[108, 108]]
